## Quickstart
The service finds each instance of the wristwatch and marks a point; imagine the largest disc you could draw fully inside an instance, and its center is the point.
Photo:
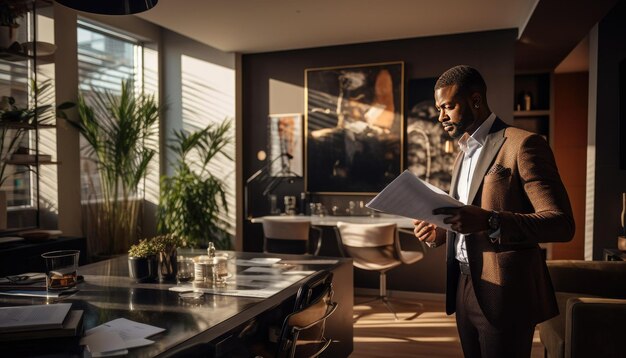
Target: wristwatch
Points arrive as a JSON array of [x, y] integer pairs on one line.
[[494, 221]]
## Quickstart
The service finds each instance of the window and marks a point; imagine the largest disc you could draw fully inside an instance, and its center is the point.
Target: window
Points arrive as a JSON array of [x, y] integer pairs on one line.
[[105, 59]]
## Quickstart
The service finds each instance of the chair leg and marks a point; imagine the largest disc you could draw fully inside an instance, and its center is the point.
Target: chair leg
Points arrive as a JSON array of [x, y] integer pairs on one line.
[[389, 307]]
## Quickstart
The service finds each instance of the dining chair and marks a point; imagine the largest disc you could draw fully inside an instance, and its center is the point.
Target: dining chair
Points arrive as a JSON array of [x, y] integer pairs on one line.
[[375, 247], [291, 235]]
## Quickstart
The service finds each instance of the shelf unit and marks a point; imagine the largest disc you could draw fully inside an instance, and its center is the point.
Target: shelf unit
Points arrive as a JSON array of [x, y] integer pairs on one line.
[[533, 98], [20, 75]]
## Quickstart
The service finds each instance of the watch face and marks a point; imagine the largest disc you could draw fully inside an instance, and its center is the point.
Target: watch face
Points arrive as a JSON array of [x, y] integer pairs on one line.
[[494, 221]]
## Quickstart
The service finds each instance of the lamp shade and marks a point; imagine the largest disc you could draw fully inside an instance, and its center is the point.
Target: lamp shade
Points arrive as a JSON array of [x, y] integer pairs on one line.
[[110, 7]]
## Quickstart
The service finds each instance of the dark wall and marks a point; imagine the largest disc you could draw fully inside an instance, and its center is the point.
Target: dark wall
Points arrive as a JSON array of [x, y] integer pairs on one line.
[[610, 181], [491, 52]]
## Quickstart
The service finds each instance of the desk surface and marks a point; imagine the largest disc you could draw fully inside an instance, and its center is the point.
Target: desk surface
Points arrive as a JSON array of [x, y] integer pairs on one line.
[[108, 293], [332, 220]]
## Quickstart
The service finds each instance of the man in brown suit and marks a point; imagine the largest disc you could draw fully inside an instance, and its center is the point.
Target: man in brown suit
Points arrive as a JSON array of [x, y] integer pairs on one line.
[[497, 281]]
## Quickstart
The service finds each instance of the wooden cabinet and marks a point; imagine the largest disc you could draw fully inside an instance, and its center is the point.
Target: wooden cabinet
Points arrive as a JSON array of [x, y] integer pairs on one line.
[[533, 96]]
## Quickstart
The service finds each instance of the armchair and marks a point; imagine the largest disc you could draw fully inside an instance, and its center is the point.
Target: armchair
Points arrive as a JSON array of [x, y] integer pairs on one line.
[[592, 304]]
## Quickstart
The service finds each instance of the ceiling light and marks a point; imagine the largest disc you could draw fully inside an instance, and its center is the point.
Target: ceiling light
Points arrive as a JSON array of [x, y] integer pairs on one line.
[[110, 7]]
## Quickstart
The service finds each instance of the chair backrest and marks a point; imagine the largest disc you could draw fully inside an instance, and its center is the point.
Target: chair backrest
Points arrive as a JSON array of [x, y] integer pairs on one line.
[[288, 235], [302, 333], [371, 246], [286, 229]]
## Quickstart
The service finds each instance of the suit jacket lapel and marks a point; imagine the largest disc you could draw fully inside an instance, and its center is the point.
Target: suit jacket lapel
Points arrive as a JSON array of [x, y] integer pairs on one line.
[[455, 175], [493, 142]]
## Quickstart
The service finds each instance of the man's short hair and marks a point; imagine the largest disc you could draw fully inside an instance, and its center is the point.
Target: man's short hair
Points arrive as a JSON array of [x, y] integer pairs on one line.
[[467, 78]]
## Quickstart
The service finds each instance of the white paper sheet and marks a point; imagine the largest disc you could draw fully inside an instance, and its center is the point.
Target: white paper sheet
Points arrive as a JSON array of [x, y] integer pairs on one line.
[[411, 197], [127, 329], [103, 342], [117, 336]]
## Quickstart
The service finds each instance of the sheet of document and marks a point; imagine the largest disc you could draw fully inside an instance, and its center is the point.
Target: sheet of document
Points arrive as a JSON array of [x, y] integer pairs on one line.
[[411, 197], [260, 286], [117, 336], [127, 329]]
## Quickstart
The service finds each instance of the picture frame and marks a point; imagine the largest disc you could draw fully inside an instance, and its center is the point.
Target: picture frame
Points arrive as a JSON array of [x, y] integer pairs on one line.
[[285, 145], [353, 127], [430, 151]]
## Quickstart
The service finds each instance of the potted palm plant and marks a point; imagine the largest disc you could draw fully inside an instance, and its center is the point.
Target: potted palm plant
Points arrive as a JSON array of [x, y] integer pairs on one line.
[[192, 199], [120, 132]]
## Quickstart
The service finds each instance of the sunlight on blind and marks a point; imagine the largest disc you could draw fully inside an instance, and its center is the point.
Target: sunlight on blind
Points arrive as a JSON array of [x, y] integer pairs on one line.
[[208, 96], [151, 86], [48, 184]]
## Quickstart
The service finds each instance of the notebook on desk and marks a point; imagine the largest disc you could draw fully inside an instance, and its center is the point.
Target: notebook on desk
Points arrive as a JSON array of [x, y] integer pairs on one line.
[[33, 317]]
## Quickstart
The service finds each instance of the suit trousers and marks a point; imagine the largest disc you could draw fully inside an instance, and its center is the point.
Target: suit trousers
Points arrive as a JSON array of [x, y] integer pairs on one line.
[[479, 338]]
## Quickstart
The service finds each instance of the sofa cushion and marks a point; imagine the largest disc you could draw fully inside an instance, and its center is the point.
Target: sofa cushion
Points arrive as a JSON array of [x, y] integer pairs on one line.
[[591, 278], [552, 331]]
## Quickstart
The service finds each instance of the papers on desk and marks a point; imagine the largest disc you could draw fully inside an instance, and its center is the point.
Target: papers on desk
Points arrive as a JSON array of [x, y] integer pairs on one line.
[[255, 285], [116, 337], [258, 261], [411, 197]]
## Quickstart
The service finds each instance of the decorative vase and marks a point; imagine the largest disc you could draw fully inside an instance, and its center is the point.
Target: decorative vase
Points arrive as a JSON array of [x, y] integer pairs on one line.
[[143, 269], [168, 267], [8, 36]]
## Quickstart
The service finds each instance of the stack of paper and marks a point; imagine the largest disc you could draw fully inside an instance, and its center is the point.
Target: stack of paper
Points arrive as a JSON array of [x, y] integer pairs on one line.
[[411, 197], [116, 337]]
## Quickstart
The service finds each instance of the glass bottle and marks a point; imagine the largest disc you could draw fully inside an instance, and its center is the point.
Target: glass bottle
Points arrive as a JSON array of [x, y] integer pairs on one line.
[[211, 249]]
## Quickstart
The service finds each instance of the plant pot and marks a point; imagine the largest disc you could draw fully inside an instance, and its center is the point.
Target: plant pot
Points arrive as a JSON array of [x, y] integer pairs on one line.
[[168, 267], [8, 35], [143, 269]]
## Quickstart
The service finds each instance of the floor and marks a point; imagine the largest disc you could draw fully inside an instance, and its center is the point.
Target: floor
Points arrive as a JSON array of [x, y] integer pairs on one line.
[[422, 330]]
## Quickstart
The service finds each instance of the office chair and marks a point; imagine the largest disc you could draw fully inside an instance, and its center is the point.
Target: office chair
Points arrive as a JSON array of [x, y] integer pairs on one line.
[[375, 247], [302, 333], [291, 235]]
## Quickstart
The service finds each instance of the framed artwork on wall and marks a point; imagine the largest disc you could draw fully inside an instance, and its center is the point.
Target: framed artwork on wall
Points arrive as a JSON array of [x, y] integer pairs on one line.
[[285, 144], [353, 127], [430, 152]]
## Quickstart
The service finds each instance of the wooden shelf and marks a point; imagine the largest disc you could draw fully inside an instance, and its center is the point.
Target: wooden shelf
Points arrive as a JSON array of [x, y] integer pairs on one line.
[[18, 125], [29, 163], [532, 113]]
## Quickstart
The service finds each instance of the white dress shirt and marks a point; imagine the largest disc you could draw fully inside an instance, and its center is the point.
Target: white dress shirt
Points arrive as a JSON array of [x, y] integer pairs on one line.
[[471, 146]]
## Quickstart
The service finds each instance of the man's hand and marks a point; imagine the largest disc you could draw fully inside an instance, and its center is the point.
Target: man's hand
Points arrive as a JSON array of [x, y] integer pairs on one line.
[[466, 219], [424, 231]]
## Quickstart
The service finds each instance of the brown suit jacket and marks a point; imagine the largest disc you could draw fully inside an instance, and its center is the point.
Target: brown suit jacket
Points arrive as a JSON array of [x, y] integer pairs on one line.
[[516, 175]]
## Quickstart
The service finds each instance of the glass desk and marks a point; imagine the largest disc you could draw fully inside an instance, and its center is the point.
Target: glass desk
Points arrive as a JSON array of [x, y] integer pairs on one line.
[[331, 220], [208, 326]]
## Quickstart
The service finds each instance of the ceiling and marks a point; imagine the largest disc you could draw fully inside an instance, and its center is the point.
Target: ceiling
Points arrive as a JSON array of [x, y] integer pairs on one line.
[[250, 26], [549, 29]]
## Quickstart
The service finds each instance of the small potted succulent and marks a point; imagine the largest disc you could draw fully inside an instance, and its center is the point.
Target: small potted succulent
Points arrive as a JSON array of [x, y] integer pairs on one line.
[[166, 246], [143, 261]]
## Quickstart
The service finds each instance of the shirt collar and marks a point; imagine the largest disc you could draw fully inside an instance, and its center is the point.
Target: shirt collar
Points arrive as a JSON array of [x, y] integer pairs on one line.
[[469, 144]]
